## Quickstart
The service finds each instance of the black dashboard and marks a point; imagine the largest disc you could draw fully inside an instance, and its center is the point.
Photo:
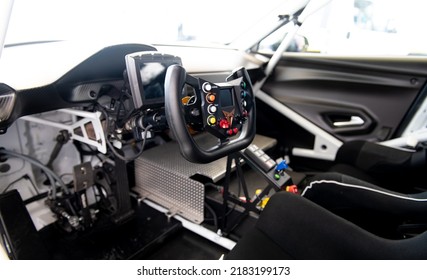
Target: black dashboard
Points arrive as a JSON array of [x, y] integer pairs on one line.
[[67, 74]]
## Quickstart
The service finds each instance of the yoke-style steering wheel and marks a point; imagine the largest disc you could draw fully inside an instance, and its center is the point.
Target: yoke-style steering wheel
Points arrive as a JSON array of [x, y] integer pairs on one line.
[[225, 110]]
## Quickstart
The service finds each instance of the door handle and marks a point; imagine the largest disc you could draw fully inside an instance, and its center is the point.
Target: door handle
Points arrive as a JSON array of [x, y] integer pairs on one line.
[[354, 121]]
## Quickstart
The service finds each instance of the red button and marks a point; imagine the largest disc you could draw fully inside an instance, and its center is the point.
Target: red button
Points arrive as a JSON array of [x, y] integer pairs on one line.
[[235, 130], [230, 132], [224, 124], [292, 189]]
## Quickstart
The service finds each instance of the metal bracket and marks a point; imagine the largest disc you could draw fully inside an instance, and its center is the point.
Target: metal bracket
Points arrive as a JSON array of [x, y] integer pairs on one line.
[[88, 129], [83, 176], [410, 140]]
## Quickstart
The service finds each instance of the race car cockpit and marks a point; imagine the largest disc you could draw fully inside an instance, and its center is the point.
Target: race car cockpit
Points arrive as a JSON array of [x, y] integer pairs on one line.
[[139, 151]]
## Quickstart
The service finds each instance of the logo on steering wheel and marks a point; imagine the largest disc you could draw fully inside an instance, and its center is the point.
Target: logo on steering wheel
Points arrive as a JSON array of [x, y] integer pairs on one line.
[[229, 116]]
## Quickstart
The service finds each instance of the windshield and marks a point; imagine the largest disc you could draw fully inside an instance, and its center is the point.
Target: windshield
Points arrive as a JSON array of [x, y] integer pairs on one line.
[[218, 21]]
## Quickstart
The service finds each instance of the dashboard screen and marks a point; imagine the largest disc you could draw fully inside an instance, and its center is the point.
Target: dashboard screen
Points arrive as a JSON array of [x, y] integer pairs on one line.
[[146, 72], [152, 80], [226, 97]]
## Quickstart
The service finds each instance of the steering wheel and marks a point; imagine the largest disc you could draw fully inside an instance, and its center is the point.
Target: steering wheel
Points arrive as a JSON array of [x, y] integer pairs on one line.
[[225, 110]]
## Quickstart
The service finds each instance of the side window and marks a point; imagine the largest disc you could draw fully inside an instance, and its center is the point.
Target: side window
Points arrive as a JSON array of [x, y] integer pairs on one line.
[[272, 42], [361, 27]]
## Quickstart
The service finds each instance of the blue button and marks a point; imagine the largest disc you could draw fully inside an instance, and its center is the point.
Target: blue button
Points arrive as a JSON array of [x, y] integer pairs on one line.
[[282, 166]]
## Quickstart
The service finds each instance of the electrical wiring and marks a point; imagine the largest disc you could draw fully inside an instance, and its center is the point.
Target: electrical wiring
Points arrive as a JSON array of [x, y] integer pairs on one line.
[[214, 216], [26, 177], [122, 105], [65, 175], [113, 149], [53, 178], [50, 174], [12, 183], [230, 210]]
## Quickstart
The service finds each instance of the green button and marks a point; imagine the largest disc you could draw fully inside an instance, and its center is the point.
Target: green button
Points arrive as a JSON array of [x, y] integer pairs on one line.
[[277, 176]]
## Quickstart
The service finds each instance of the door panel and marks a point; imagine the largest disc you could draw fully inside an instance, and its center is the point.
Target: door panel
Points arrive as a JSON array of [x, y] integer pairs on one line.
[[350, 98], [312, 103]]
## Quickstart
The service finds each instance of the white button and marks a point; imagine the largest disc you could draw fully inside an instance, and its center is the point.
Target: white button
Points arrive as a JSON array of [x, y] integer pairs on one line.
[[206, 87], [212, 109]]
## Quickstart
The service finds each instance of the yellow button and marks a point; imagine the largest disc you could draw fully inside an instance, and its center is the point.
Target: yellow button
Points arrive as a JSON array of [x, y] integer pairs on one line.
[[211, 120]]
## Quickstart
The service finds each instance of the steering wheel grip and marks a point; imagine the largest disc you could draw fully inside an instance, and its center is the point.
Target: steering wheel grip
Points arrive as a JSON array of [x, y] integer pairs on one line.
[[175, 81]]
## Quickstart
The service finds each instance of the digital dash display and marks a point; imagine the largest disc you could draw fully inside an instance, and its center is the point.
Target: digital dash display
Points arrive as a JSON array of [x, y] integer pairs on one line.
[[226, 97]]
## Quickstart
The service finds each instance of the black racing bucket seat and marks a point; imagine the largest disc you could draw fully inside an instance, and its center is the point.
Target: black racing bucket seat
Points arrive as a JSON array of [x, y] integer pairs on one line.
[[297, 227]]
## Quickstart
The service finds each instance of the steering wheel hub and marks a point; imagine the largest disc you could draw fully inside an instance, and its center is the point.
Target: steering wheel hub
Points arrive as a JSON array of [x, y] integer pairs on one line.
[[225, 110]]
